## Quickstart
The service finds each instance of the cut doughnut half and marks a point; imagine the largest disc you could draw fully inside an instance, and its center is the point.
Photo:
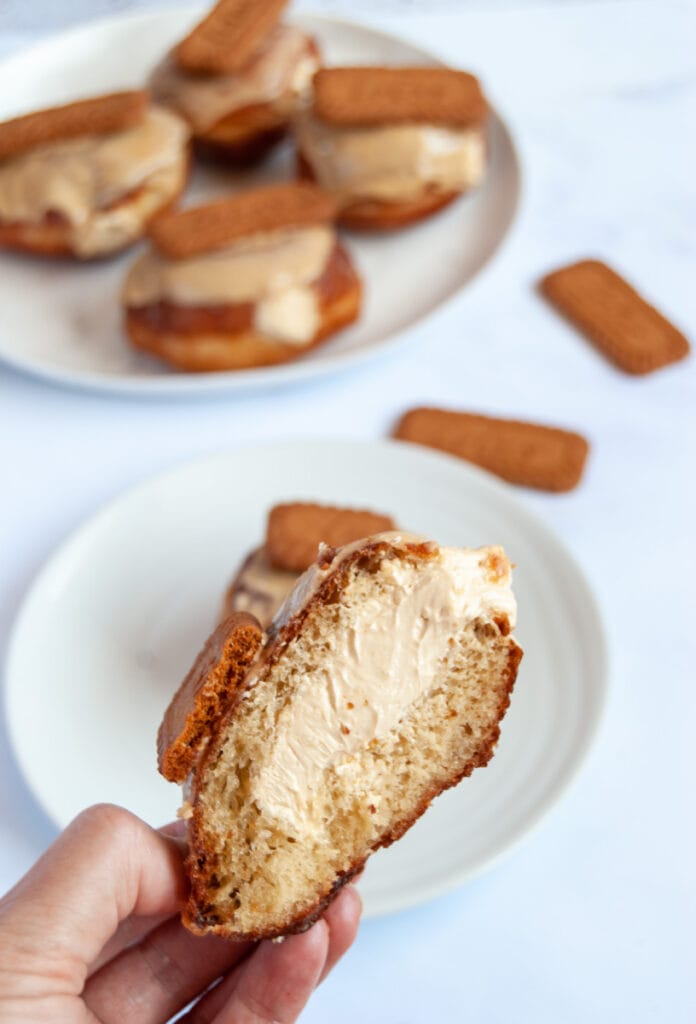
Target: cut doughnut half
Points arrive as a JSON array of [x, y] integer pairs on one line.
[[382, 683]]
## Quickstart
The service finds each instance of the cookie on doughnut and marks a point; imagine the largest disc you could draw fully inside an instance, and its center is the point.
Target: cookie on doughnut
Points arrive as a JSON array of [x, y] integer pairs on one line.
[[237, 77], [393, 145], [248, 281]]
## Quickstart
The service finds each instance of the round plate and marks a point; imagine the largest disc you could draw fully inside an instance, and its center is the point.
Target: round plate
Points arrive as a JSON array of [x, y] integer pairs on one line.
[[118, 614], [62, 320]]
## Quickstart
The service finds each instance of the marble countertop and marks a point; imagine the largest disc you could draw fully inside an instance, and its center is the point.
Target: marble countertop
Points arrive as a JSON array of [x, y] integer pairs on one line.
[[592, 918]]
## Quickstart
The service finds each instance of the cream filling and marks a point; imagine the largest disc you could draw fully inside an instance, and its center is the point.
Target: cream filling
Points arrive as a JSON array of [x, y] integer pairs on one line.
[[292, 315], [275, 271], [280, 72], [80, 179], [392, 162], [373, 671]]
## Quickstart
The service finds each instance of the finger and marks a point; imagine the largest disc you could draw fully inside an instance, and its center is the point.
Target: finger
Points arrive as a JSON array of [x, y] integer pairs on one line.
[[152, 980], [134, 929], [175, 829], [104, 867], [129, 932], [343, 919], [274, 985]]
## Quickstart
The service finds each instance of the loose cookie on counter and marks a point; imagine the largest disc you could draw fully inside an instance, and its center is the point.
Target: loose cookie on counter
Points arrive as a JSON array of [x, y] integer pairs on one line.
[[531, 454], [627, 329]]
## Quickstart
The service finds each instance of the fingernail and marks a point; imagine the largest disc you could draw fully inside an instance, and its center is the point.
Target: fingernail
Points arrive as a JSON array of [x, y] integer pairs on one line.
[[356, 896]]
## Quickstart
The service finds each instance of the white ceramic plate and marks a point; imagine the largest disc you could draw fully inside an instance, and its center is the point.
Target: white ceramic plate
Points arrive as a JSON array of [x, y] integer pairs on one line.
[[117, 615], [63, 321]]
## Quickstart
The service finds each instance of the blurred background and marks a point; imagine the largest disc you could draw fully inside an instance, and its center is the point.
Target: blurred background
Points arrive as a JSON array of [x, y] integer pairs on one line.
[[592, 919], [46, 16]]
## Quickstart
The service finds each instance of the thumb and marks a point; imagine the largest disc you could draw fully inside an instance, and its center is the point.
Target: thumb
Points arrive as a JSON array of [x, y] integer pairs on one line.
[[105, 866]]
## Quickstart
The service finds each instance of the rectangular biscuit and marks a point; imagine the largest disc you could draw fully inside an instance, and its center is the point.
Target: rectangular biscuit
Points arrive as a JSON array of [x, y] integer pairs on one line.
[[201, 229], [205, 694], [295, 531], [228, 36], [626, 328], [98, 116], [522, 453], [374, 95]]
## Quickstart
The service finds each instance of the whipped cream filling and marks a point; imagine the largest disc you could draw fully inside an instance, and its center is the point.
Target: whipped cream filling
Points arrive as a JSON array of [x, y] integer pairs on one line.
[[391, 162], [374, 670], [275, 271], [81, 178], [280, 72], [291, 315]]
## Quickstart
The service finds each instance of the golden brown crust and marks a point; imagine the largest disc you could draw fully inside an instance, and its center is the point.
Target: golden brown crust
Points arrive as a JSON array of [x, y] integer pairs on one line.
[[377, 215], [227, 38], [523, 453], [205, 694], [352, 96], [203, 339], [199, 916], [216, 225], [52, 236], [197, 919], [49, 237], [295, 530], [380, 215], [101, 115], [612, 314]]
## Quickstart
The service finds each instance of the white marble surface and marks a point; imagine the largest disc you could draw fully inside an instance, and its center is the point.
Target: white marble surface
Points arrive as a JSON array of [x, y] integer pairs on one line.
[[592, 919]]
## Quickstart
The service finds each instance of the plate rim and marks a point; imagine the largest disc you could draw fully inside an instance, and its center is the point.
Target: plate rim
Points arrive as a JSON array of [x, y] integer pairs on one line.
[[295, 372], [497, 489]]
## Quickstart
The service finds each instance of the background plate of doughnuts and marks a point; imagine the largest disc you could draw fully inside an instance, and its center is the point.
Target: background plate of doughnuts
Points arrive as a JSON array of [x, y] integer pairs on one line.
[[63, 319]]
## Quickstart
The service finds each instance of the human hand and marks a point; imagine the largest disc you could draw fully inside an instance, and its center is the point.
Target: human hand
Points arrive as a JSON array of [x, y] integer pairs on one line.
[[91, 935]]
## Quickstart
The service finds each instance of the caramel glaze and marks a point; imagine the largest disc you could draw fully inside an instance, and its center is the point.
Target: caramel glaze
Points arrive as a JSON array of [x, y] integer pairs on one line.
[[50, 236], [380, 214]]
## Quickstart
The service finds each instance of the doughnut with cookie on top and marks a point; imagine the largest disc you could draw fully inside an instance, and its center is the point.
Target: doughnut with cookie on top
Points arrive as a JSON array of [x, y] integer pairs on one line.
[[393, 145], [294, 533], [255, 279], [236, 78], [85, 179]]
